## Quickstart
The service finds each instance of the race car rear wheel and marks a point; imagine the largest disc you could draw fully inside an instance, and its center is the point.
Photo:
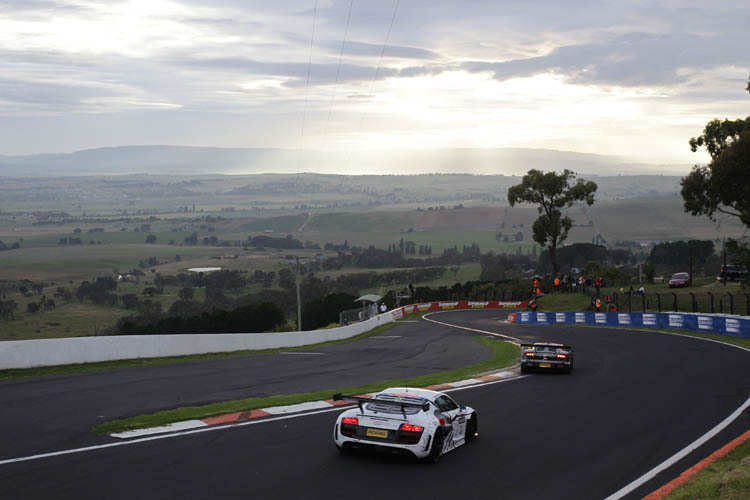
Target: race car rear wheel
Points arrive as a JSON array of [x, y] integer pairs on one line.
[[472, 428], [437, 447]]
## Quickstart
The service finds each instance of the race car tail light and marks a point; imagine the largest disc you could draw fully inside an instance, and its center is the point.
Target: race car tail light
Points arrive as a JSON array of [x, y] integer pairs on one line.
[[530, 354], [410, 428], [409, 434], [562, 356], [349, 426]]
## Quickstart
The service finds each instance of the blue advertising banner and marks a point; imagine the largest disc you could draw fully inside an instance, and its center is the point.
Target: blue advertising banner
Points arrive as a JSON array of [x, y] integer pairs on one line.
[[712, 323]]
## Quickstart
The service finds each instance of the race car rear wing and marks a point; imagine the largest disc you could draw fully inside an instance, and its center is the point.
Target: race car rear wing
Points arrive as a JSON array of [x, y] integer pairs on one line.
[[401, 404], [556, 346]]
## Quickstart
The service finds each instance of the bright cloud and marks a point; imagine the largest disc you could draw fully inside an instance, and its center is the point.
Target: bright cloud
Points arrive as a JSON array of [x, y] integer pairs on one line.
[[629, 78]]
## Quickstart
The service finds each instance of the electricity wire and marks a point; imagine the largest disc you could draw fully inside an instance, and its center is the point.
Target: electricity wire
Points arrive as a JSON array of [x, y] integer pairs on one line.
[[377, 71], [304, 109], [338, 73], [333, 94]]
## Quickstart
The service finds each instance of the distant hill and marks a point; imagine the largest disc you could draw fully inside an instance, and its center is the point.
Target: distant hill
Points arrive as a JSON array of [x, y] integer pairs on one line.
[[186, 160]]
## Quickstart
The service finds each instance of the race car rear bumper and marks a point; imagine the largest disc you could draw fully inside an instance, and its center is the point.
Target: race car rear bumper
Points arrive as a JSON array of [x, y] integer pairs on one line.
[[419, 449], [539, 364]]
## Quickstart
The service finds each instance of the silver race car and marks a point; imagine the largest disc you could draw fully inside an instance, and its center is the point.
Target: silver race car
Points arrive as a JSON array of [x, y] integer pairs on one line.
[[419, 422], [546, 356]]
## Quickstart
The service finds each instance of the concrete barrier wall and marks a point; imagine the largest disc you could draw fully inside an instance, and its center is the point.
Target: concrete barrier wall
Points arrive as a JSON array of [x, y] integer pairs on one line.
[[49, 352], [737, 326]]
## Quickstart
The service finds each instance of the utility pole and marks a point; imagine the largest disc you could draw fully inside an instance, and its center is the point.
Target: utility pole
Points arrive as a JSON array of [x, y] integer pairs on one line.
[[299, 304], [640, 273]]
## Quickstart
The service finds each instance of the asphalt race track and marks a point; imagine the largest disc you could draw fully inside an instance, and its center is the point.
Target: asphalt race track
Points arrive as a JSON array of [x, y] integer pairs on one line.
[[43, 414], [633, 400]]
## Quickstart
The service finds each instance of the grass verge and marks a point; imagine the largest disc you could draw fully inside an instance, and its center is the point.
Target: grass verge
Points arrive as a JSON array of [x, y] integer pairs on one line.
[[726, 479], [131, 363], [561, 302], [504, 354]]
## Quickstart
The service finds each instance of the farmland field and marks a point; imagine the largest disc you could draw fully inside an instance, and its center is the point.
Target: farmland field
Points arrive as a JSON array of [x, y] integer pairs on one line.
[[60, 232]]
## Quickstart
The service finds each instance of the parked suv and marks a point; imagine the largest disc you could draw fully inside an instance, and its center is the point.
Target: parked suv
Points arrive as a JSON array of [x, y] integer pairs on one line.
[[732, 272]]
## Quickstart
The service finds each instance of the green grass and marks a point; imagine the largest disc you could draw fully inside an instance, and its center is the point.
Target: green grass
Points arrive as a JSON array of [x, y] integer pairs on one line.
[[73, 319], [107, 238], [559, 302], [504, 354], [580, 302], [78, 319], [84, 261], [726, 479], [132, 363], [281, 225]]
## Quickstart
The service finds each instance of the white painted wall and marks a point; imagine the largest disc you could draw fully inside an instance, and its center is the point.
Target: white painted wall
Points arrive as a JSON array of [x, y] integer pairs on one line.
[[49, 352]]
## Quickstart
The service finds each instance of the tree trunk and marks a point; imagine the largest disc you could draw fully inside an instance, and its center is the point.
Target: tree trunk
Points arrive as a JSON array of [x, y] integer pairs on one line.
[[553, 256]]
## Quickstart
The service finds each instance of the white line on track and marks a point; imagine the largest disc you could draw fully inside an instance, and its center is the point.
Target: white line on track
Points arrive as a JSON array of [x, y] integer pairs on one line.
[[629, 488], [512, 339], [385, 337], [207, 429], [156, 438], [304, 353], [679, 455], [615, 496]]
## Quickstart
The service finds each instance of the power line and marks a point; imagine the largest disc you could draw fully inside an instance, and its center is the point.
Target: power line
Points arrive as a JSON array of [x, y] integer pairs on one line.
[[304, 109], [338, 72], [333, 94], [385, 44], [377, 70]]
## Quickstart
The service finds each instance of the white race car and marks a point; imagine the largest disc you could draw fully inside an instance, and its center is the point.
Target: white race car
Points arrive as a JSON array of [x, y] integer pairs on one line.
[[419, 422]]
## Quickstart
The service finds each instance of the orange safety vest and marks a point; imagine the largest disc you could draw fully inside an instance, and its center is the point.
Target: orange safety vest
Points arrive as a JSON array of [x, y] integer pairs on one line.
[[557, 281], [598, 303]]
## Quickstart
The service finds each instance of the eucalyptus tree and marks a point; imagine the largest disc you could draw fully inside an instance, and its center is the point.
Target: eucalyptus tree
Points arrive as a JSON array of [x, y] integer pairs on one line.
[[552, 192]]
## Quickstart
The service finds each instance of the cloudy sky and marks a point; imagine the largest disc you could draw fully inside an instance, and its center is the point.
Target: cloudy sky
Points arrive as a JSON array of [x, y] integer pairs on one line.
[[628, 78]]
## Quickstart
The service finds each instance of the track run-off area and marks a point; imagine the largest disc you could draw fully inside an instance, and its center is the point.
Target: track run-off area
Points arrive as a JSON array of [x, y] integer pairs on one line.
[[634, 401]]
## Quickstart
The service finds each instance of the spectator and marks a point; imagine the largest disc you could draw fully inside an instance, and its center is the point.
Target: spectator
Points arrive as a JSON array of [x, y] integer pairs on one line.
[[598, 284], [557, 284], [598, 304], [383, 308]]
